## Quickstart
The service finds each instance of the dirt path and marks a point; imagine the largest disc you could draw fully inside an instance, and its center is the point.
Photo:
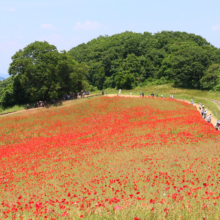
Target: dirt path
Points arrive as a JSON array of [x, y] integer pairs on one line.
[[214, 119], [216, 102]]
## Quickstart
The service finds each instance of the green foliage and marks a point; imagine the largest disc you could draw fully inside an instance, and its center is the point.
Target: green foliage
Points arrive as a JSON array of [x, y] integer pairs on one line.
[[5, 83], [7, 92], [211, 78], [40, 72], [132, 59]]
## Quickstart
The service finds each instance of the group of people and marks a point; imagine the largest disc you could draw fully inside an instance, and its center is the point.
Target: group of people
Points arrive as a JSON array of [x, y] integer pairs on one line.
[[156, 95], [204, 113], [77, 95], [38, 104]]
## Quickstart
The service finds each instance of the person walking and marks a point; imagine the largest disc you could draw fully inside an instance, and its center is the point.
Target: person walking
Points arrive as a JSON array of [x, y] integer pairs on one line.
[[200, 107], [203, 107], [202, 112], [205, 113], [27, 106], [191, 102], [209, 118]]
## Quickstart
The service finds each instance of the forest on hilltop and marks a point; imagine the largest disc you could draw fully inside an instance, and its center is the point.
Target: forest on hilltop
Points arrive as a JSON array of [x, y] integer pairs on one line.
[[128, 60], [123, 61]]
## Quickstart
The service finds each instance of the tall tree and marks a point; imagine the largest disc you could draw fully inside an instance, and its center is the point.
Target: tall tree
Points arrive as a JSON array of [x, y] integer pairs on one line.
[[41, 72]]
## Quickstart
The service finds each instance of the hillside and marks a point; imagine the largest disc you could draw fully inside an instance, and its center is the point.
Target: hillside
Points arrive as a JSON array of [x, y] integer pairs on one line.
[[130, 59]]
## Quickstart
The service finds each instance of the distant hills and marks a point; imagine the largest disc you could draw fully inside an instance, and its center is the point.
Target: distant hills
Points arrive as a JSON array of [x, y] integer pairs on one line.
[[1, 77]]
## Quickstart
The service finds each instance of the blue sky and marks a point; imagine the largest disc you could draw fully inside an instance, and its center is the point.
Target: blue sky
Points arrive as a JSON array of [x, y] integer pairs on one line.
[[67, 23]]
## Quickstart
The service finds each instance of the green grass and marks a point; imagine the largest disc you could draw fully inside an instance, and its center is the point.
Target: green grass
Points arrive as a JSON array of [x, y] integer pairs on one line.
[[12, 109], [168, 89]]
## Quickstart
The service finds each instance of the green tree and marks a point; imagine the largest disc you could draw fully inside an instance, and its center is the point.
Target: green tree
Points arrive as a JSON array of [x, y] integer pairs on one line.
[[187, 66], [7, 94], [211, 78], [36, 69], [42, 73]]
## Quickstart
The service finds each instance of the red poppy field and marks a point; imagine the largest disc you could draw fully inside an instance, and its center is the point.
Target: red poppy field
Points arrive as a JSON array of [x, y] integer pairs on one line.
[[110, 158]]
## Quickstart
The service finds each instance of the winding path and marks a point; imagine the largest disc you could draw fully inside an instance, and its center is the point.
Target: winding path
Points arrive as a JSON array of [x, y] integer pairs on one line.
[[216, 102]]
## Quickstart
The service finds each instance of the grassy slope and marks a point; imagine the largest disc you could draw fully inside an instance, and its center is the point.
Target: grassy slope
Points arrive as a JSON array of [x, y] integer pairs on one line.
[[12, 109], [187, 94]]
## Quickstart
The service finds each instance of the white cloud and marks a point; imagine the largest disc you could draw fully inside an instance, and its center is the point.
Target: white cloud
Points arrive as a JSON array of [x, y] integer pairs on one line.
[[12, 9], [88, 25], [47, 26], [216, 28]]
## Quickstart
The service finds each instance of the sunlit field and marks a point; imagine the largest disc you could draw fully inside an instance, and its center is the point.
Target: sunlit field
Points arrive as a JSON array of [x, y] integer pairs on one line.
[[110, 158]]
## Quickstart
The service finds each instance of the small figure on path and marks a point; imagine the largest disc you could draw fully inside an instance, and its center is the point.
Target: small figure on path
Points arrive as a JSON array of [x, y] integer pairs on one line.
[[191, 102], [209, 118], [200, 107], [203, 107], [202, 112], [161, 96], [205, 113], [27, 106], [217, 126]]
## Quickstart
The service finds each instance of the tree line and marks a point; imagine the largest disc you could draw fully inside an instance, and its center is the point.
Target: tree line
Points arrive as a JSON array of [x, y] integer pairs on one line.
[[130, 59], [122, 61]]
